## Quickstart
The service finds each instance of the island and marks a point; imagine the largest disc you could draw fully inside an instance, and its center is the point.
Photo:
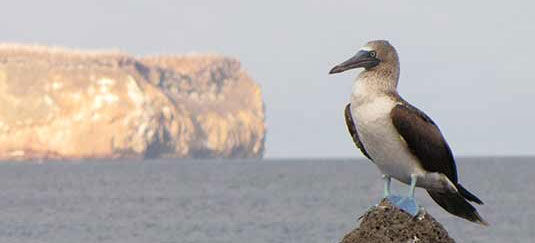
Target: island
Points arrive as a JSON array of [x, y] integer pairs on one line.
[[59, 103]]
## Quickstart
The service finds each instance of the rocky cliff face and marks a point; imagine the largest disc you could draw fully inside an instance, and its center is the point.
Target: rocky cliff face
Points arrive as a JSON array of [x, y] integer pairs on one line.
[[59, 103]]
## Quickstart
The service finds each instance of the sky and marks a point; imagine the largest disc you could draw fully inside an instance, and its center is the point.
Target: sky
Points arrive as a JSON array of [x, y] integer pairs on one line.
[[468, 64]]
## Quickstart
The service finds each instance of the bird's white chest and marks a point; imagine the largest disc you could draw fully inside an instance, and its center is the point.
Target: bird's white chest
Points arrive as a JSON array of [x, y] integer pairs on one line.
[[381, 139]]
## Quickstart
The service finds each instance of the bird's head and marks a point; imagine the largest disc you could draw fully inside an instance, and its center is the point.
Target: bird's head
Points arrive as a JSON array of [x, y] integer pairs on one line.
[[375, 55]]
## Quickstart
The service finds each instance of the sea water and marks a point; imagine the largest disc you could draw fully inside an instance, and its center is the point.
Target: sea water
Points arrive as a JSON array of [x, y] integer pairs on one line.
[[250, 201]]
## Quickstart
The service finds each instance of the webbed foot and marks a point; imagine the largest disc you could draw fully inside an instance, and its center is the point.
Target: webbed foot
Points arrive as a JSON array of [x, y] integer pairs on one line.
[[409, 205], [394, 199]]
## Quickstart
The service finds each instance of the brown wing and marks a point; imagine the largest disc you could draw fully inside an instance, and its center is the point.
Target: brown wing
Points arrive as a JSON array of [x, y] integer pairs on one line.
[[424, 140], [353, 131]]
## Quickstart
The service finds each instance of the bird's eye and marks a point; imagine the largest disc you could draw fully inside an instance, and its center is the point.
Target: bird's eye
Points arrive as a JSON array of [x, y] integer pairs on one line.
[[373, 54]]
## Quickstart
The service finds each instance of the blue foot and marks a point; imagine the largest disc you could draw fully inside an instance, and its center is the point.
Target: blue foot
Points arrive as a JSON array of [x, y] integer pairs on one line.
[[394, 199], [407, 204]]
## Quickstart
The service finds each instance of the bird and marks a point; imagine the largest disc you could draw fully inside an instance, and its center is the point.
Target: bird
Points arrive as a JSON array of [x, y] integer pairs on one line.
[[402, 141]]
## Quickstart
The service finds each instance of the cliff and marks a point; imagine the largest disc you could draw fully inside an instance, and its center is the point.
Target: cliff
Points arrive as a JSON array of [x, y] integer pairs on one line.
[[67, 104], [387, 223]]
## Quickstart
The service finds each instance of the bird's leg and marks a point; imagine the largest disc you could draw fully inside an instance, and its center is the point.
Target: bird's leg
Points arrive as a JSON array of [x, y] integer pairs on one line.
[[392, 198], [387, 181], [408, 204], [414, 178]]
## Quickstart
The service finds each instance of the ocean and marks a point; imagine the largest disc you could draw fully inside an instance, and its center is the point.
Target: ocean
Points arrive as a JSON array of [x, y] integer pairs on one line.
[[253, 201]]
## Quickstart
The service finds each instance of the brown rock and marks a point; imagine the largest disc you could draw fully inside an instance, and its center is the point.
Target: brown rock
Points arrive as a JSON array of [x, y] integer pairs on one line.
[[68, 104], [387, 223]]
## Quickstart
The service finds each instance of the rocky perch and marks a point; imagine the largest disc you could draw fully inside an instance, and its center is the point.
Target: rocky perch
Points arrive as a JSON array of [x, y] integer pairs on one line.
[[57, 103], [387, 223]]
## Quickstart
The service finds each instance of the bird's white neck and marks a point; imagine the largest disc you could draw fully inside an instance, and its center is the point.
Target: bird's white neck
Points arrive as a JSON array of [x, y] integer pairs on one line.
[[372, 84]]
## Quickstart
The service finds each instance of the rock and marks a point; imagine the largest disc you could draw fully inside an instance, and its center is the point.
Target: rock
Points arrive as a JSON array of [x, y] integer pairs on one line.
[[387, 223], [66, 104]]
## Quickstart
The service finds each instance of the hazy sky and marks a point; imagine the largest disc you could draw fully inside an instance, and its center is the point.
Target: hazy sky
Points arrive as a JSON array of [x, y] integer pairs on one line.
[[468, 64]]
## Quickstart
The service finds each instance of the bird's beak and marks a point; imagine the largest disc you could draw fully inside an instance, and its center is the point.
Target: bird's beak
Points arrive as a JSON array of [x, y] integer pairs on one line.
[[361, 59]]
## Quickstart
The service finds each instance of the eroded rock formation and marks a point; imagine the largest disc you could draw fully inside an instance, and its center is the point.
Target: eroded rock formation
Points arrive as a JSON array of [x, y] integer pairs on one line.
[[60, 103]]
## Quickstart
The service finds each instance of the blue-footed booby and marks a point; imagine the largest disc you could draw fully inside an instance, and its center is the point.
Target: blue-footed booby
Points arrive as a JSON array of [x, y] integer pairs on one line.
[[402, 141]]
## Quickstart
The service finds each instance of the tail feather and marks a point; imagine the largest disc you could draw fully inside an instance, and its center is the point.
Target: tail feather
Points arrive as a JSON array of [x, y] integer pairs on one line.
[[457, 205], [469, 196]]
